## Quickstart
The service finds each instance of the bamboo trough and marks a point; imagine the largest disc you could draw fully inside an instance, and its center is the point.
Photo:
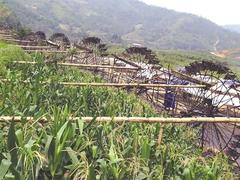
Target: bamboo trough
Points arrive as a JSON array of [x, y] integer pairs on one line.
[[148, 120]]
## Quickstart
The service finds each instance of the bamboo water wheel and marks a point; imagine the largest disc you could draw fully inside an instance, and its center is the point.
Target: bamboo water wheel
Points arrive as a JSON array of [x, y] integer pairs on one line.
[[220, 98], [61, 40]]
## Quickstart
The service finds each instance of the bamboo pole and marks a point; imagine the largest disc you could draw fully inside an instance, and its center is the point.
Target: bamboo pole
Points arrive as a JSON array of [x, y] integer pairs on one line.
[[131, 119], [129, 85], [46, 51], [17, 40], [5, 36], [79, 84], [35, 47], [189, 78], [126, 61], [82, 65]]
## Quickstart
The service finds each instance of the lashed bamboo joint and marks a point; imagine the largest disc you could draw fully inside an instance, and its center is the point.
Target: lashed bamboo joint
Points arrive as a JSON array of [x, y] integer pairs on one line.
[[130, 119]]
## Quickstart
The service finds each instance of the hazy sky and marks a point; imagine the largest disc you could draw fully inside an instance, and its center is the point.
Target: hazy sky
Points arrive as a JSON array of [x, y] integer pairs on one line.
[[219, 11]]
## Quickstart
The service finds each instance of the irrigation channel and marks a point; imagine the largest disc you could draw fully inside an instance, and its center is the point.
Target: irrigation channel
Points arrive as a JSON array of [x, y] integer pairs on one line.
[[202, 95]]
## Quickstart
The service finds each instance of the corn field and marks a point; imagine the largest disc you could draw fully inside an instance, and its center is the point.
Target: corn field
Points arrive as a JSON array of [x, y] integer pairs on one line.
[[63, 149]]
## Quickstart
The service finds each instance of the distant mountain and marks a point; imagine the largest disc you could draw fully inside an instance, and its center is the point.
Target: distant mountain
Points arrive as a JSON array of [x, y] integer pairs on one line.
[[233, 28], [124, 21]]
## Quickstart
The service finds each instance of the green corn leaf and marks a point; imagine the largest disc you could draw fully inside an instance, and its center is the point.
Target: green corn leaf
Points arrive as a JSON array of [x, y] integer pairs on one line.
[[80, 126], [11, 144], [187, 174], [72, 155], [60, 132], [91, 173], [4, 167], [49, 140], [146, 149], [19, 135]]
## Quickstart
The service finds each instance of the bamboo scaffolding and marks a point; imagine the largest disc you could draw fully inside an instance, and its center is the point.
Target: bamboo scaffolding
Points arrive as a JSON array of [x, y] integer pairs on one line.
[[131, 119], [82, 65]]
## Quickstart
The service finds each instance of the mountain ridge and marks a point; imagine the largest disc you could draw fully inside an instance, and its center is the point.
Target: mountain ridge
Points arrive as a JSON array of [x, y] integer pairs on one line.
[[125, 22], [233, 27]]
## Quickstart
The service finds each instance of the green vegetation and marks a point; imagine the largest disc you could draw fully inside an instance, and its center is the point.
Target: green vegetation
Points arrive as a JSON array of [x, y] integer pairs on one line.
[[61, 149], [9, 53], [123, 22]]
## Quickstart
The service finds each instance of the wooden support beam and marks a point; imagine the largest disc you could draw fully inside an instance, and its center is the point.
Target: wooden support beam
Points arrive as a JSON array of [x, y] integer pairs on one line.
[[130, 119]]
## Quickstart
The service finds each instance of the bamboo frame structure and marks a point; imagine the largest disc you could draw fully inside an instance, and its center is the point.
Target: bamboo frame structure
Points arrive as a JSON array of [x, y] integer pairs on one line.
[[149, 120]]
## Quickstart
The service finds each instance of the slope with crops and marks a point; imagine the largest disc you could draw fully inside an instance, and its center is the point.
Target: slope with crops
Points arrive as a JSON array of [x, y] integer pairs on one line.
[[63, 149]]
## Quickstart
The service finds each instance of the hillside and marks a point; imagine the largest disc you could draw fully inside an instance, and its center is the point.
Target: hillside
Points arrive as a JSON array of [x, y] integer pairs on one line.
[[234, 28], [124, 21], [7, 18]]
